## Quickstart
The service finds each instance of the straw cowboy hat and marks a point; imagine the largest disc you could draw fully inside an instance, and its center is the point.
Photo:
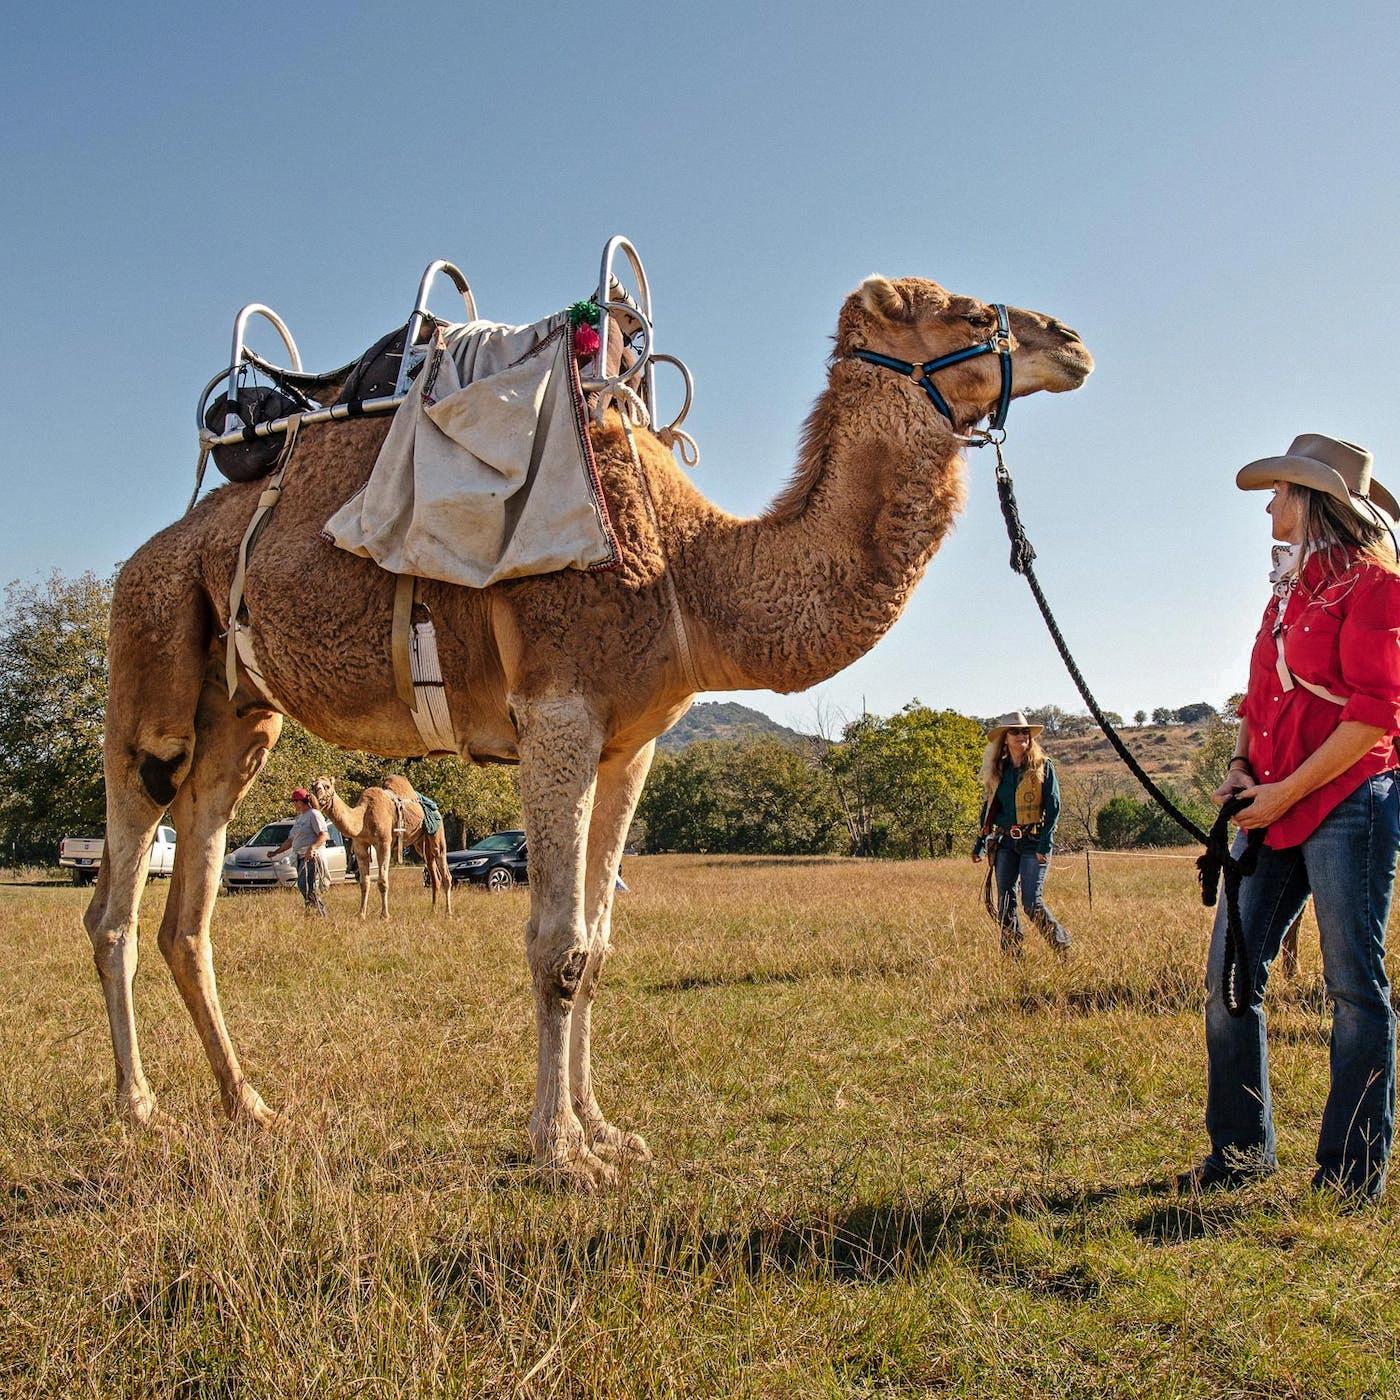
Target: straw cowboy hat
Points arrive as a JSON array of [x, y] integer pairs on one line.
[[1341, 469], [1015, 720]]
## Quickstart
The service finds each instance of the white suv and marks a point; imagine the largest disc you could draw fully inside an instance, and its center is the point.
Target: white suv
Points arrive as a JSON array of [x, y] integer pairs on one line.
[[253, 867]]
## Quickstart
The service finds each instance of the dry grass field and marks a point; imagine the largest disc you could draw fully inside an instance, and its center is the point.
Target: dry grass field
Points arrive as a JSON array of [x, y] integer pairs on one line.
[[887, 1164]]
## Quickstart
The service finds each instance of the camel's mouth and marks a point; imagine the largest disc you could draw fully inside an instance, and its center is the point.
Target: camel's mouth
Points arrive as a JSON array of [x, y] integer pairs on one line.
[[1074, 361]]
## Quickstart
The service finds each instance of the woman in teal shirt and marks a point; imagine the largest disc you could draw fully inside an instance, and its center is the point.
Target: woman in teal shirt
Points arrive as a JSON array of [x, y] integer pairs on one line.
[[1020, 808]]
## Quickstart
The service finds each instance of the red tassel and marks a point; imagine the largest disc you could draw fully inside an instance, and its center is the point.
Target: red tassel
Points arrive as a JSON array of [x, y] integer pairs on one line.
[[586, 342]]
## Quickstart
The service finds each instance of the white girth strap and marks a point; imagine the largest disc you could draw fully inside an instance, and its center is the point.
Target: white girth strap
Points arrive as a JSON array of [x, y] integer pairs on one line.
[[239, 648], [1287, 679], [418, 675]]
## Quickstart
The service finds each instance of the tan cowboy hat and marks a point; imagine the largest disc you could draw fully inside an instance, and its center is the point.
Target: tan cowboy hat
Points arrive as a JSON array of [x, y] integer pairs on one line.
[[1341, 469], [1015, 720]]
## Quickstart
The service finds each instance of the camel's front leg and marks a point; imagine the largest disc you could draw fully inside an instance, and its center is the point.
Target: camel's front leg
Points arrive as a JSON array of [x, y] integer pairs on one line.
[[559, 746], [620, 783], [382, 855]]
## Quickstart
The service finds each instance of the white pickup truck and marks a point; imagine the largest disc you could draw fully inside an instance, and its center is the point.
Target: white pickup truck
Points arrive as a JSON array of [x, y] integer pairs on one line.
[[83, 855]]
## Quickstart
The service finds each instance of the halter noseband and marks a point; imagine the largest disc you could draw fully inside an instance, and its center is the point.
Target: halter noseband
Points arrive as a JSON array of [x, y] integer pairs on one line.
[[998, 344]]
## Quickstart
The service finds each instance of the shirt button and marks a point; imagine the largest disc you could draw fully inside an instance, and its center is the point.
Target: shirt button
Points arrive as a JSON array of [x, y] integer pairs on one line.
[[1266, 733], [1266, 772], [1306, 629], [1275, 699]]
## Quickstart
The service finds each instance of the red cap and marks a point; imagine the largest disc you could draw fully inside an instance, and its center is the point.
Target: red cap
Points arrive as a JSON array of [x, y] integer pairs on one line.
[[301, 795]]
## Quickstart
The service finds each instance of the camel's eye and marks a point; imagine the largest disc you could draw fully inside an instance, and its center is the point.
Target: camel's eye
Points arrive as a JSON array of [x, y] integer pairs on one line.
[[981, 319]]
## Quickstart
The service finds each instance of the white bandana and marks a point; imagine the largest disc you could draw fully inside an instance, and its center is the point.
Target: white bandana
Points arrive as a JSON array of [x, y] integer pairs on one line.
[[1284, 574]]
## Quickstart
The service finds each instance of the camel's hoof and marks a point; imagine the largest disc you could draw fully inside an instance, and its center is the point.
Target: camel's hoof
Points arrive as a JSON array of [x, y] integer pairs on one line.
[[250, 1110], [616, 1145], [140, 1112], [582, 1171]]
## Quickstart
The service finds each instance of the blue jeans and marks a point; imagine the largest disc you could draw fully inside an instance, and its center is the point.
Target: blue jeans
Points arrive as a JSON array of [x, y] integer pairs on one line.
[[1016, 863], [308, 868], [1348, 866]]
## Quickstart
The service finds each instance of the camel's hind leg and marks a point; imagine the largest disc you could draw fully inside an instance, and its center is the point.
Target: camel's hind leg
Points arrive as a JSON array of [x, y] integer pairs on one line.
[[158, 644], [433, 849], [383, 854], [620, 782], [230, 749], [362, 876]]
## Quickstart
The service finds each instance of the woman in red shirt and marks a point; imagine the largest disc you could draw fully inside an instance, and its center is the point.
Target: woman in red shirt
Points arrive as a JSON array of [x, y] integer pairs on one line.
[[1316, 753]]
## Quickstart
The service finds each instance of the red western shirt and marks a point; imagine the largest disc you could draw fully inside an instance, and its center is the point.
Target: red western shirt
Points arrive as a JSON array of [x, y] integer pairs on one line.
[[1341, 631]]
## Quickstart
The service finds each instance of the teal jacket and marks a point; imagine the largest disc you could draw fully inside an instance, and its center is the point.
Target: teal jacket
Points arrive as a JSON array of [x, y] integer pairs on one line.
[[1001, 810]]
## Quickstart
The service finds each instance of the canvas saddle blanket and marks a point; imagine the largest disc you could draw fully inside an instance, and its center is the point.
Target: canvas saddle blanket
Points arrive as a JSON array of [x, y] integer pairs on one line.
[[487, 472]]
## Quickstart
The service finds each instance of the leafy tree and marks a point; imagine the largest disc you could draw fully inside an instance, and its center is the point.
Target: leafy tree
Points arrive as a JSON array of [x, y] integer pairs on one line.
[[1212, 758], [1198, 713], [1119, 821], [1162, 715], [1051, 716], [53, 694], [740, 796], [907, 784], [1125, 822], [1140, 717]]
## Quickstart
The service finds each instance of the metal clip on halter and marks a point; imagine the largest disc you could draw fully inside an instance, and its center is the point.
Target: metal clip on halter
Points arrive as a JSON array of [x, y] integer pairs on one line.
[[420, 311]]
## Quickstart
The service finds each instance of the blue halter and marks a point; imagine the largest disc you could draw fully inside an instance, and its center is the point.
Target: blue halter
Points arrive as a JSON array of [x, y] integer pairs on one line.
[[998, 344]]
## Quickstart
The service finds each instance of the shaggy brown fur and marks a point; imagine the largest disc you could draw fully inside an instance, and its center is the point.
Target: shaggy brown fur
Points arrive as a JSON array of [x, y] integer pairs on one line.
[[574, 674]]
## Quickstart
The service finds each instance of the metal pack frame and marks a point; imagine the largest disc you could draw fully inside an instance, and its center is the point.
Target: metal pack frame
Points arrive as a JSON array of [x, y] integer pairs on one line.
[[612, 300]]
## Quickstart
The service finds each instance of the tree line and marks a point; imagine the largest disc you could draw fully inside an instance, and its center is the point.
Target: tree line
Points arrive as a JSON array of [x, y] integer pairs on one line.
[[901, 785], [53, 696]]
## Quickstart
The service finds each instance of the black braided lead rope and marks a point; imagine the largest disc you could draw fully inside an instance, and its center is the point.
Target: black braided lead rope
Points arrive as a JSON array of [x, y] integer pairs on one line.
[[1022, 553], [1236, 977]]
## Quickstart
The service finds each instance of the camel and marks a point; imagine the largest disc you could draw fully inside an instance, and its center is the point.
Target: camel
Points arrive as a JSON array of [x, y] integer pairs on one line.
[[385, 820], [572, 675]]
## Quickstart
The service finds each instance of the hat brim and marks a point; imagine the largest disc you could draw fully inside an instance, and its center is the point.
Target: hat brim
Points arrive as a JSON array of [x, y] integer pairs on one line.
[[994, 736], [1303, 471]]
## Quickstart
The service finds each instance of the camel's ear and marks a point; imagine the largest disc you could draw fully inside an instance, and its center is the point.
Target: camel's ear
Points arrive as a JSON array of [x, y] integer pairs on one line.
[[880, 295]]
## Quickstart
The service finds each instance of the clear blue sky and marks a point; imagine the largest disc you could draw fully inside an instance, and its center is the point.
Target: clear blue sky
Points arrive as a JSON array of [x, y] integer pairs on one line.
[[1208, 192]]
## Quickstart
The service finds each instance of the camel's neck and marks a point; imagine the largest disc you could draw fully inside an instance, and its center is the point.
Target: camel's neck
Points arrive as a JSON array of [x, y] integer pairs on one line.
[[349, 821], [789, 599]]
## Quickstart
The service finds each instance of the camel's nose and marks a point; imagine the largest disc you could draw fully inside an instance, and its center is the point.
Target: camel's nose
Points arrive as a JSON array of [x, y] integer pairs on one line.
[[1068, 332]]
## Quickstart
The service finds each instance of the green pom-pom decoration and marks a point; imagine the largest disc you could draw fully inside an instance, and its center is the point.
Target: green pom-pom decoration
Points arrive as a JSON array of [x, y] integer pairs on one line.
[[584, 313]]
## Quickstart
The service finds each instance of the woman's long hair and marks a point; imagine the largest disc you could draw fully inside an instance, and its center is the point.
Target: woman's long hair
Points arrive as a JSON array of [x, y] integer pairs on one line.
[[995, 758], [1328, 525]]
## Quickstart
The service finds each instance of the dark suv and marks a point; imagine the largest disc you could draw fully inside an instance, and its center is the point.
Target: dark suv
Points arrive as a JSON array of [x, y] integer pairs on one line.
[[497, 861]]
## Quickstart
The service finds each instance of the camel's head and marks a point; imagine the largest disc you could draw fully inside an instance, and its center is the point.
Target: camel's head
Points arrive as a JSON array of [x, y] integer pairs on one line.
[[916, 320], [323, 789]]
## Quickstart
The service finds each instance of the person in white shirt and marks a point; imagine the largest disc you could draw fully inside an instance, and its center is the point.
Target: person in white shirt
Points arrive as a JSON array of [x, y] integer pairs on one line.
[[306, 840]]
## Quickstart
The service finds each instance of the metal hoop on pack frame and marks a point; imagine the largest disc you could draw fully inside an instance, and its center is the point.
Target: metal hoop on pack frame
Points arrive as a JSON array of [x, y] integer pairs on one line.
[[687, 382], [642, 312], [236, 358], [420, 309]]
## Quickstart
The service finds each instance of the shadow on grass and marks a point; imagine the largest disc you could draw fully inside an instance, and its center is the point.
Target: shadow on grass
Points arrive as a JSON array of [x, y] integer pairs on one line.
[[42, 1198], [1190, 1218], [864, 1244]]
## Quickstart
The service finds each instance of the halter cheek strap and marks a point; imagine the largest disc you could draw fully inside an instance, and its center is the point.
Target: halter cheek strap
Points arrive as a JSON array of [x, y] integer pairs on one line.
[[998, 344]]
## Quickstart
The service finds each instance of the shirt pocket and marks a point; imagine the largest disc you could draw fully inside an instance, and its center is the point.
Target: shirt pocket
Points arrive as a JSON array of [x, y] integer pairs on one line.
[[1311, 646]]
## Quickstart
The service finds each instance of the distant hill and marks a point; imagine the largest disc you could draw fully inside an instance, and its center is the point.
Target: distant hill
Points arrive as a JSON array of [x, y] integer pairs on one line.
[[725, 719], [1164, 750]]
